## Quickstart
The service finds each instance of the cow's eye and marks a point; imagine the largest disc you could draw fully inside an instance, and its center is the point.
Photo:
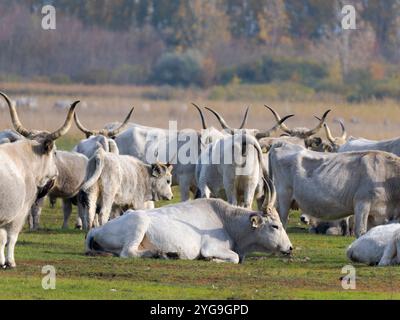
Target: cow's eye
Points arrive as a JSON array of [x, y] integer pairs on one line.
[[275, 226]]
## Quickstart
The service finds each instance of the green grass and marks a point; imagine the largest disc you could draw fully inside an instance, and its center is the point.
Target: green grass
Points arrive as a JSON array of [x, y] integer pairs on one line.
[[313, 272]]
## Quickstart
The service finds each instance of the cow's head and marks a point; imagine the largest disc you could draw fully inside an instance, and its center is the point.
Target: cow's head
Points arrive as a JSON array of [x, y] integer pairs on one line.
[[267, 225], [336, 142], [161, 181], [42, 144], [96, 138], [302, 133]]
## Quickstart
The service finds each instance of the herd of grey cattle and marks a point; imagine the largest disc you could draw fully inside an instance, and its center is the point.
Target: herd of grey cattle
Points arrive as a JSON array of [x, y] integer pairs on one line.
[[342, 185]]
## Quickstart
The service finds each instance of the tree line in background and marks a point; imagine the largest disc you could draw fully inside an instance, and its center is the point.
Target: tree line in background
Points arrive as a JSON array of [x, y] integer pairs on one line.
[[215, 43]]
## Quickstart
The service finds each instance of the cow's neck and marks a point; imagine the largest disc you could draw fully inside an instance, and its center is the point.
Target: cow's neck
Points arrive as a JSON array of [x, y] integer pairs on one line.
[[237, 224]]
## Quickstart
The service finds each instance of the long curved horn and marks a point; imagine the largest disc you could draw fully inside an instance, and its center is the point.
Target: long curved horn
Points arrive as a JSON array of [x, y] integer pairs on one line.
[[329, 134], [269, 200], [86, 131], [318, 127], [267, 133], [344, 133], [14, 117], [67, 124], [203, 121], [244, 118], [221, 120], [278, 118], [113, 133]]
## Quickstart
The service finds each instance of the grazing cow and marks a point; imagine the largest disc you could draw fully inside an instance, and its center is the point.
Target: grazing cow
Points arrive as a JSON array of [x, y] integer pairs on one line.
[[379, 246], [119, 181], [342, 227], [208, 229], [331, 186], [71, 168], [27, 172], [233, 164]]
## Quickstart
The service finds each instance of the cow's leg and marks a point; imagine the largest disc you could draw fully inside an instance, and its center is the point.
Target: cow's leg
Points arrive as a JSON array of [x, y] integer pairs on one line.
[[212, 249], [361, 212], [13, 229], [90, 210], [284, 204], [185, 182], [388, 254], [248, 197], [34, 216], [132, 247], [230, 191], [3, 241], [67, 209]]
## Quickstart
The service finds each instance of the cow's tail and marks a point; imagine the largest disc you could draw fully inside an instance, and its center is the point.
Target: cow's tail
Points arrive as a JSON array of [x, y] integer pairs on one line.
[[253, 141], [99, 165]]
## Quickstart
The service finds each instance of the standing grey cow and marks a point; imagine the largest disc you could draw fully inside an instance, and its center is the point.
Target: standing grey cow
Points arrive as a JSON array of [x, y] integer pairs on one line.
[[71, 168], [233, 164], [119, 181], [200, 229], [27, 172], [333, 186]]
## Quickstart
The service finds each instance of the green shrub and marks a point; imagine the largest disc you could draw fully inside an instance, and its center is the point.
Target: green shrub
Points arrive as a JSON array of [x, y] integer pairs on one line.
[[60, 78], [268, 69], [129, 74], [94, 76], [182, 69]]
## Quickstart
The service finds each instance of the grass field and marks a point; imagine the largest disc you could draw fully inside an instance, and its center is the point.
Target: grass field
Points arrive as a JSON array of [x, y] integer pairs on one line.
[[313, 272]]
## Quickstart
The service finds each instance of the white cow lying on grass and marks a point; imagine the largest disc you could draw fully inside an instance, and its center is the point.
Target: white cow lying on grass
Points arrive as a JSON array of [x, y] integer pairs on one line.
[[203, 228], [380, 245]]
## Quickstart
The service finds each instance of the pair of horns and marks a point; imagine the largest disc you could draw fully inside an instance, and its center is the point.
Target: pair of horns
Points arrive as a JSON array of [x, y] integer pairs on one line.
[[270, 193], [309, 133], [220, 118], [330, 136], [224, 125], [104, 132], [27, 133]]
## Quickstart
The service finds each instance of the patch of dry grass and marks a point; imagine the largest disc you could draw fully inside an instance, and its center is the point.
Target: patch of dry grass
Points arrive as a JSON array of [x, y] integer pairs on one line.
[[373, 120]]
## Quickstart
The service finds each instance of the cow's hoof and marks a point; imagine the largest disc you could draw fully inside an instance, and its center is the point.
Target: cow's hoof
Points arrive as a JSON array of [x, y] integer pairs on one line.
[[8, 265]]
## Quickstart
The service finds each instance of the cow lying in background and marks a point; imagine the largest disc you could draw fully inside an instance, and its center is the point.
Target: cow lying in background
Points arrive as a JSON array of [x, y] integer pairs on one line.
[[379, 246], [121, 182], [342, 227], [202, 228]]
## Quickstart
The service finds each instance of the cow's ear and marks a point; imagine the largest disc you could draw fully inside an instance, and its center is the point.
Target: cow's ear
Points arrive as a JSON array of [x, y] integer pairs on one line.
[[169, 167], [156, 170], [48, 145], [256, 221]]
